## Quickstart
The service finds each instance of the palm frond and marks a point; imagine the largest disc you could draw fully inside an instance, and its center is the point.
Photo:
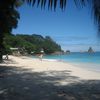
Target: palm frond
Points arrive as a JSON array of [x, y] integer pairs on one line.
[[55, 4], [33, 3], [96, 11], [52, 4]]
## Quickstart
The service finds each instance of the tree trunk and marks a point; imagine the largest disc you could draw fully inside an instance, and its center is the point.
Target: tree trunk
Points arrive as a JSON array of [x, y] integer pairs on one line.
[[1, 57], [1, 46]]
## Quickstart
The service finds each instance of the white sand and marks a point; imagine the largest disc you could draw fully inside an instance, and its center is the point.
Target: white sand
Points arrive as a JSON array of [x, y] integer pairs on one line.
[[37, 65]]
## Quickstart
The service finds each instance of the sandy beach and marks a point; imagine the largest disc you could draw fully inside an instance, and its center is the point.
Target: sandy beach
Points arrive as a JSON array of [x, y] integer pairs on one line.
[[24, 78], [36, 65]]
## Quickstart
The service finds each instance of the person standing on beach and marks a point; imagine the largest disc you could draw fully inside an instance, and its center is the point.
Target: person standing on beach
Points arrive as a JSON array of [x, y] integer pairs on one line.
[[41, 54], [7, 56]]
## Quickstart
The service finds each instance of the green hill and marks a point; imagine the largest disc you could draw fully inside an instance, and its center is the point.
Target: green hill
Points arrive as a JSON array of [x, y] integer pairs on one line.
[[32, 43]]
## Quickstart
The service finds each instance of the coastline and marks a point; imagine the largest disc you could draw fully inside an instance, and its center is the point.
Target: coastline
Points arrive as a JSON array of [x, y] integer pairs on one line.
[[95, 67], [37, 65]]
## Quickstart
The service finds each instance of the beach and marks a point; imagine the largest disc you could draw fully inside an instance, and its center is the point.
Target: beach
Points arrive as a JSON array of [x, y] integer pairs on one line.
[[25, 78], [36, 65]]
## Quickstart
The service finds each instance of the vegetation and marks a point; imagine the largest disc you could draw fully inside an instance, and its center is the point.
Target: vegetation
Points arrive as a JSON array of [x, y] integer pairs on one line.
[[32, 43]]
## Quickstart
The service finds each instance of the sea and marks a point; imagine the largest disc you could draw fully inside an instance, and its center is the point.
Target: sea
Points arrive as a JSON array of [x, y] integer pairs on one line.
[[90, 61]]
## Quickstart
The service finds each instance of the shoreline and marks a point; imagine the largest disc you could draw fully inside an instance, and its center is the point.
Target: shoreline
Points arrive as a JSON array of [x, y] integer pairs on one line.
[[37, 65], [84, 65]]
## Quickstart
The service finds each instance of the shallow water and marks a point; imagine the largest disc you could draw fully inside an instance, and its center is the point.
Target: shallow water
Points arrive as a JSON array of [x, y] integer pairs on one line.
[[90, 61]]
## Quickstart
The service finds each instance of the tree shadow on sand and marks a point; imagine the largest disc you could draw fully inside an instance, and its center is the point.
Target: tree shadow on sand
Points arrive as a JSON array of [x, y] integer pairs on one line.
[[23, 84]]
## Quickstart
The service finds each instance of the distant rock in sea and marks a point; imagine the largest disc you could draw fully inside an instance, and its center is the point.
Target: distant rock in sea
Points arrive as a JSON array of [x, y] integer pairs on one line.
[[90, 50], [57, 53], [68, 52]]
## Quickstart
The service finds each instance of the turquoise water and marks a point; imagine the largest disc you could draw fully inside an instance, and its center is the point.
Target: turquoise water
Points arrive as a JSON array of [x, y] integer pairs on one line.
[[77, 57], [86, 60]]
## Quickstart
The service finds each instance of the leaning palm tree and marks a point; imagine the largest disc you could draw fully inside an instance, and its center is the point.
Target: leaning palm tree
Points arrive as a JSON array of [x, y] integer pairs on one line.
[[9, 15]]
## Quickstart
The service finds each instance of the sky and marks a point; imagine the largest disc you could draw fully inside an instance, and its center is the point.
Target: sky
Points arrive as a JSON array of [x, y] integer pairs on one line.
[[73, 29]]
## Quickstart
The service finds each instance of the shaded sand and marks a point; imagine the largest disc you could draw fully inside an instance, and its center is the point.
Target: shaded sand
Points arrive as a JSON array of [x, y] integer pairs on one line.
[[23, 78]]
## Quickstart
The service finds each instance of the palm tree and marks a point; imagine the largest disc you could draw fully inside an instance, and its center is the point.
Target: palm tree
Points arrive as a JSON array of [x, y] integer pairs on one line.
[[9, 15]]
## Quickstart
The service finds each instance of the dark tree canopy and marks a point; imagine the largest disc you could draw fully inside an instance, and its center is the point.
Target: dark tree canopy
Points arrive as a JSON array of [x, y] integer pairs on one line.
[[8, 16]]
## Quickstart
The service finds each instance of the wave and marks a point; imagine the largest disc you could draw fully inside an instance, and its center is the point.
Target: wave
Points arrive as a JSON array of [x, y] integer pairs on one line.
[[50, 60]]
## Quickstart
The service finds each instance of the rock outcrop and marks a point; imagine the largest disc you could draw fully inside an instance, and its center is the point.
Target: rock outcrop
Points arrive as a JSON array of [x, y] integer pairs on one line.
[[90, 50]]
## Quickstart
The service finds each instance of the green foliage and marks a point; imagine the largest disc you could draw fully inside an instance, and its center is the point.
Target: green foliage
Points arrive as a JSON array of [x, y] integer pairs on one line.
[[50, 46], [32, 43], [8, 16]]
